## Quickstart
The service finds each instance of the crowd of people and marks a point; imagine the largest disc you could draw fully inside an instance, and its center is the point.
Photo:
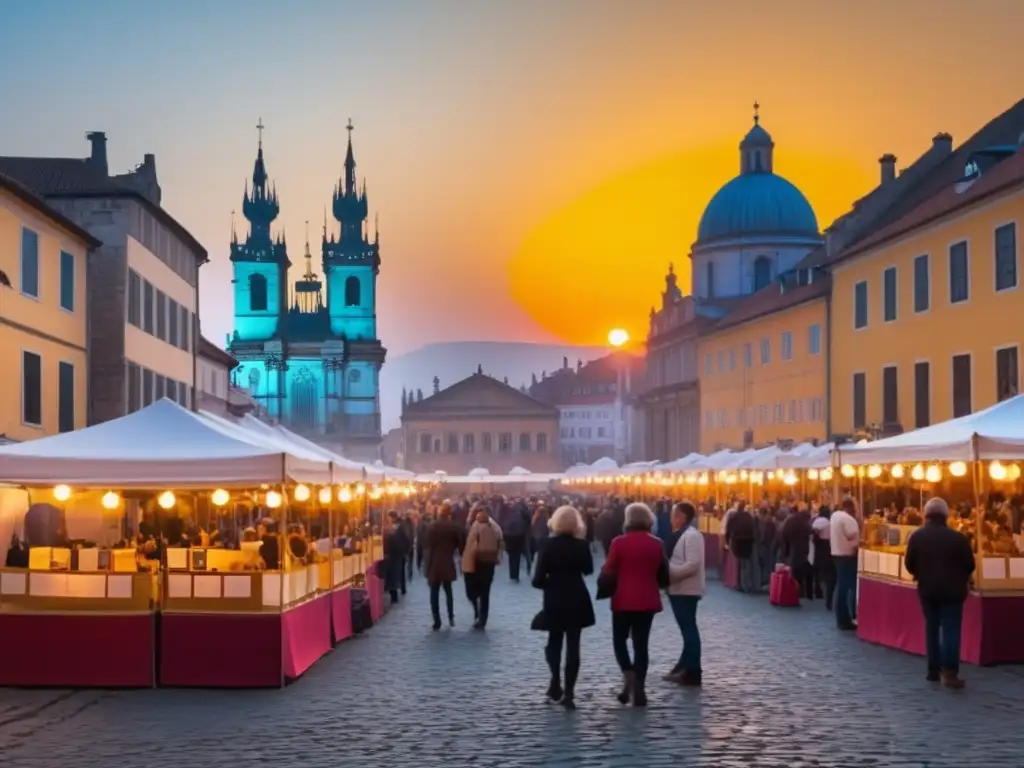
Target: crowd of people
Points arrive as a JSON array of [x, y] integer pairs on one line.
[[651, 552]]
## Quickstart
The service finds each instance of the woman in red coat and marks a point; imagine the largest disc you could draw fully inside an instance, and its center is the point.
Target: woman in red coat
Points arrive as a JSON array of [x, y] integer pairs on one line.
[[636, 562]]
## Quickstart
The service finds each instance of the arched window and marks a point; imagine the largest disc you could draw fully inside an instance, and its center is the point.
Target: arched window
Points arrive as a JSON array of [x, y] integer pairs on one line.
[[524, 442], [304, 400], [257, 293], [352, 298], [709, 276], [762, 272]]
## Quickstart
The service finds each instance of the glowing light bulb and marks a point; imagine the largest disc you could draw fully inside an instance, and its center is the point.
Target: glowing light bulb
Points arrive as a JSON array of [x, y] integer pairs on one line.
[[1013, 472], [360, 489], [62, 493], [897, 471], [812, 474], [874, 471], [325, 494], [166, 500], [344, 494], [301, 493], [273, 499], [376, 494], [933, 474], [703, 479], [789, 478], [408, 491], [848, 471], [110, 500], [744, 475], [220, 497], [691, 479], [958, 469], [826, 474], [997, 471], [917, 473]]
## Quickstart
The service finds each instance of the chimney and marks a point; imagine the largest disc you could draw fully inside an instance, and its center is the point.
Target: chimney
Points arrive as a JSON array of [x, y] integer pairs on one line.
[[98, 157], [888, 163], [565, 362], [942, 143]]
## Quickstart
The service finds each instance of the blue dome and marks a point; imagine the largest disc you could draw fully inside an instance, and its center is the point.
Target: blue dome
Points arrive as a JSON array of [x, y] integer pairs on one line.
[[757, 204]]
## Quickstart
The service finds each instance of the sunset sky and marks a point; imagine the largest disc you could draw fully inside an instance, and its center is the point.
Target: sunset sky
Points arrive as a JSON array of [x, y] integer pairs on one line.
[[536, 165]]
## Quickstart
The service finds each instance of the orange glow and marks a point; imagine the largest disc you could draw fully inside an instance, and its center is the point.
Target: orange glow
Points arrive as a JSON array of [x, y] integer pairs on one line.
[[604, 257]]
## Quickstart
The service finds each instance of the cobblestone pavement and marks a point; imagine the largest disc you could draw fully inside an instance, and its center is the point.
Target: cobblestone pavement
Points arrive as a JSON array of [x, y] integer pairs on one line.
[[782, 688]]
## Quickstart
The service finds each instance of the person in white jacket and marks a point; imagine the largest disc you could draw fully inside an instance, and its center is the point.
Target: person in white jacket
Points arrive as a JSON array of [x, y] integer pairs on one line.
[[685, 589]]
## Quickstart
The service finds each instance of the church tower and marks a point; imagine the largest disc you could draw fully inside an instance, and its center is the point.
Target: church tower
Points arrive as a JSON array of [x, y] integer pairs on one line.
[[351, 262], [260, 264]]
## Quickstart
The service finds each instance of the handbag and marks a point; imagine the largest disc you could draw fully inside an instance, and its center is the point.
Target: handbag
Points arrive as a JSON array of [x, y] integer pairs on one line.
[[540, 622], [606, 583]]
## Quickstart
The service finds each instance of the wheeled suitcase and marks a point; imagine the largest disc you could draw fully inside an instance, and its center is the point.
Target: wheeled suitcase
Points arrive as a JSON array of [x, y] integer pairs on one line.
[[783, 589]]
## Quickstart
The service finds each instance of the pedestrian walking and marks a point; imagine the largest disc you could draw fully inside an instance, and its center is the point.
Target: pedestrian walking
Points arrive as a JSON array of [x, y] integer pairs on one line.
[[538, 532], [515, 525], [824, 566], [844, 540], [796, 550], [481, 555], [562, 562], [741, 539], [635, 573], [396, 552], [440, 545], [686, 587], [941, 562], [409, 526]]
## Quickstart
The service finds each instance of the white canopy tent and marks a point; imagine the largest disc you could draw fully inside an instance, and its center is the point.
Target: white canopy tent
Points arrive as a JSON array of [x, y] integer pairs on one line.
[[994, 434], [392, 473], [161, 446], [683, 463], [813, 457]]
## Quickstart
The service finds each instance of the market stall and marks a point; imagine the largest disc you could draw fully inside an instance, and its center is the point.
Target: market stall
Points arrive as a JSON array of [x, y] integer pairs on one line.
[[81, 609], [973, 463]]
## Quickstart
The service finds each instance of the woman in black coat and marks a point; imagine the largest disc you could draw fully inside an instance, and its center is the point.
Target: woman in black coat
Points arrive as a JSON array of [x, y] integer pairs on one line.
[[563, 561]]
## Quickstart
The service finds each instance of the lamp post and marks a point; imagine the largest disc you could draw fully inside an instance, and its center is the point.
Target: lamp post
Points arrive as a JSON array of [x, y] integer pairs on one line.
[[618, 338]]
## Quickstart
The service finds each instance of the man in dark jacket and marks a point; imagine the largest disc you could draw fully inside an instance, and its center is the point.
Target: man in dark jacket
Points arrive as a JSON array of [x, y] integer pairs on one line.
[[515, 524], [941, 561], [740, 535], [796, 549]]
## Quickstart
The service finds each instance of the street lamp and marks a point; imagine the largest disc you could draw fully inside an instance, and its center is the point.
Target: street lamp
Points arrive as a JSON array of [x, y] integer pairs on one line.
[[618, 337]]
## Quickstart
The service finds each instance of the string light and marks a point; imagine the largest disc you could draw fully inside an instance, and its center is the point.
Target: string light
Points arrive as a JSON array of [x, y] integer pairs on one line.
[[997, 471], [166, 500], [917, 473], [1013, 472], [812, 474], [325, 495], [302, 493], [62, 493], [826, 474], [344, 494], [848, 471], [933, 474], [360, 489], [897, 471], [273, 499], [958, 469], [220, 497], [874, 471], [790, 478], [110, 500]]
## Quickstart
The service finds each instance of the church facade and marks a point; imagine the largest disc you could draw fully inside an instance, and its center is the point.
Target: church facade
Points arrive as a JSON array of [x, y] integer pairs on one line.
[[308, 352]]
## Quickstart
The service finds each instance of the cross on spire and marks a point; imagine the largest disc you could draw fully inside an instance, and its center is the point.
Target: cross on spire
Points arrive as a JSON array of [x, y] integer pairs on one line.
[[349, 128], [259, 130], [757, 116]]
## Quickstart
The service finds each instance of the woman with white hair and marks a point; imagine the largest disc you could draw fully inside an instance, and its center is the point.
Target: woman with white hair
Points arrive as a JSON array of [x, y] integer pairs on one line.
[[635, 573], [563, 561]]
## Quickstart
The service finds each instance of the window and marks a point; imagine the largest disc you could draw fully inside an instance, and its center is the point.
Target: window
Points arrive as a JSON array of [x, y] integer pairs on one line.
[[762, 272], [147, 387], [721, 361], [860, 305], [792, 411], [505, 442], [748, 355], [766, 351], [524, 441], [426, 442], [158, 387], [732, 359], [453, 442], [172, 322], [708, 365], [889, 294], [860, 405], [32, 388], [890, 395], [30, 263], [134, 387], [709, 276], [959, 279], [1006, 257], [602, 432], [468, 443], [257, 293], [486, 442], [354, 376], [542, 442], [185, 330], [922, 284], [171, 390], [962, 400], [134, 298], [922, 395], [161, 316], [1007, 373], [565, 431], [67, 281], [814, 340], [147, 306], [352, 291], [786, 346], [65, 397], [183, 395]]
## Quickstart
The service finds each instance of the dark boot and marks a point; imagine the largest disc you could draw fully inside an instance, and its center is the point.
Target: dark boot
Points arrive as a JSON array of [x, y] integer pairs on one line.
[[933, 675], [451, 618], [628, 681], [568, 701], [639, 693], [690, 679], [555, 691], [952, 680]]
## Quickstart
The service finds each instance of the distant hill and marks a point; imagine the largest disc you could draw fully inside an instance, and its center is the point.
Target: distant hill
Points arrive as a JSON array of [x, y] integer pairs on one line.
[[454, 361]]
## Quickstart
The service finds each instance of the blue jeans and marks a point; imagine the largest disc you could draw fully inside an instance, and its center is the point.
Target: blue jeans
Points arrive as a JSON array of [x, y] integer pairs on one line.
[[846, 589], [942, 633], [684, 607]]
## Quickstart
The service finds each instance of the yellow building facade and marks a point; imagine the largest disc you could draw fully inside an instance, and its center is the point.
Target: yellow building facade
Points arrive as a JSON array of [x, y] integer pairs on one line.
[[763, 370], [43, 325], [926, 313]]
